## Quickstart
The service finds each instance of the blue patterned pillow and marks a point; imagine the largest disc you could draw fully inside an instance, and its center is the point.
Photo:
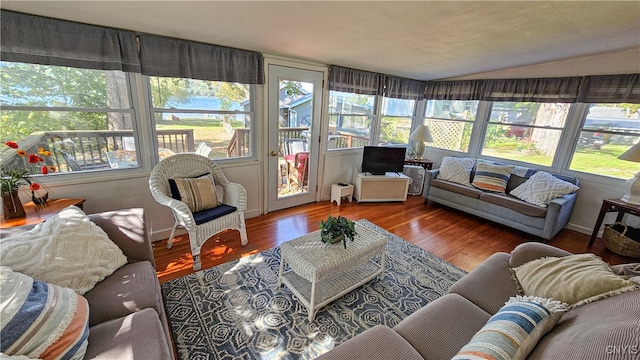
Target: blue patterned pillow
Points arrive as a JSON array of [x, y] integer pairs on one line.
[[514, 330], [41, 320]]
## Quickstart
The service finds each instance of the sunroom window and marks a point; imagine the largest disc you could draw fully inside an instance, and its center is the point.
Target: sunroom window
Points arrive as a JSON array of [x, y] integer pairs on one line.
[[395, 125], [525, 131], [450, 123], [350, 119], [607, 132], [83, 117], [211, 118]]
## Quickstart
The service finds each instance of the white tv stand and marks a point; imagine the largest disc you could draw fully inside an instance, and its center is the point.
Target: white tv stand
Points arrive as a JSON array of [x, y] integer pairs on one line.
[[388, 187]]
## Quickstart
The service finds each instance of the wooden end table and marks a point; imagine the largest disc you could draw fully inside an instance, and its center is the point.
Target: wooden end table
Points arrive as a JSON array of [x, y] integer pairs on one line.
[[39, 213], [425, 163], [613, 205]]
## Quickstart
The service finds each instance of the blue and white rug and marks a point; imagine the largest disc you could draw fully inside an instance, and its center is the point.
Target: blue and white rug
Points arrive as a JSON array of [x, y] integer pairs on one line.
[[235, 311]]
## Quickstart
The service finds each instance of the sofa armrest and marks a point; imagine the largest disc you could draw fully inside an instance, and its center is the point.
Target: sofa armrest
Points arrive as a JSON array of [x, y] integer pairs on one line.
[[529, 251], [378, 342], [127, 229], [558, 214], [429, 176]]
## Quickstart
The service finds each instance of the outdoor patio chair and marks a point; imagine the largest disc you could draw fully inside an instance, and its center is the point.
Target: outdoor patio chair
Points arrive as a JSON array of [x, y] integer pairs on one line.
[[203, 224], [296, 156]]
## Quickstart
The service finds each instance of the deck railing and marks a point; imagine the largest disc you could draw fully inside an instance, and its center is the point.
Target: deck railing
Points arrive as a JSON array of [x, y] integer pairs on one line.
[[87, 149]]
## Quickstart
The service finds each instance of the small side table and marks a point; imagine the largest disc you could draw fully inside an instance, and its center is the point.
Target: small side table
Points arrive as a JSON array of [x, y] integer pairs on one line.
[[38, 214], [425, 163], [340, 191], [613, 205]]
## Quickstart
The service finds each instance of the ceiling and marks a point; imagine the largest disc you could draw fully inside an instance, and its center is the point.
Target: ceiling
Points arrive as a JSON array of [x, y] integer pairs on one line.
[[424, 40]]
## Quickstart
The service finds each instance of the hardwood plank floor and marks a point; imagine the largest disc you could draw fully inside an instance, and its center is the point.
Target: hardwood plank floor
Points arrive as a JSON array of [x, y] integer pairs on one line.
[[461, 239]]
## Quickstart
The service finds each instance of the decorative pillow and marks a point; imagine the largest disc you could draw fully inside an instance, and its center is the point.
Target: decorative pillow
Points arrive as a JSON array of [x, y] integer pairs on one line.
[[492, 177], [456, 170], [573, 279], [514, 330], [41, 320], [543, 187], [66, 250], [198, 193]]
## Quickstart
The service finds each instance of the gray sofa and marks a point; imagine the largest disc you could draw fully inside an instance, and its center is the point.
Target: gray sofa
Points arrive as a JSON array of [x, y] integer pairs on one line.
[[503, 209], [603, 329], [126, 312]]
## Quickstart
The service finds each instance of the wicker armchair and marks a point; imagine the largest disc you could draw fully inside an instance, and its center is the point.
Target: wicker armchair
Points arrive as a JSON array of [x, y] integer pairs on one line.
[[192, 165]]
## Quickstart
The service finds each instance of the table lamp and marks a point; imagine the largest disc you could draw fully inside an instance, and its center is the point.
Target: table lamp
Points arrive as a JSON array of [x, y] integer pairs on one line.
[[420, 135], [633, 185]]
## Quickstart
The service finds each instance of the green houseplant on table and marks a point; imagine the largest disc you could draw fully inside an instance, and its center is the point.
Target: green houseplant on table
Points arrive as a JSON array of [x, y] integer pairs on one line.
[[334, 230]]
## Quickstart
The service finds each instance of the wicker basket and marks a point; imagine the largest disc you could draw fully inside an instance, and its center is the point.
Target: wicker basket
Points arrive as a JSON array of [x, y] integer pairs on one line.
[[619, 243]]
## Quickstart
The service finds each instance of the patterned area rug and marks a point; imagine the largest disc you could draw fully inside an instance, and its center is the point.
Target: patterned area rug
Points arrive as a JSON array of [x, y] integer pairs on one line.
[[234, 311]]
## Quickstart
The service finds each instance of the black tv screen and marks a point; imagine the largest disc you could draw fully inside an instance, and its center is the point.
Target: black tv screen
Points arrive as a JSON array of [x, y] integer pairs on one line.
[[378, 160]]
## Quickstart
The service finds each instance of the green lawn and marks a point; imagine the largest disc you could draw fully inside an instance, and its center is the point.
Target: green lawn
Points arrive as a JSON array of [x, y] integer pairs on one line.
[[586, 159]]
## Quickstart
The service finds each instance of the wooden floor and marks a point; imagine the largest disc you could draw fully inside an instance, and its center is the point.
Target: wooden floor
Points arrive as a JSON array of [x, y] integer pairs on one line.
[[461, 239]]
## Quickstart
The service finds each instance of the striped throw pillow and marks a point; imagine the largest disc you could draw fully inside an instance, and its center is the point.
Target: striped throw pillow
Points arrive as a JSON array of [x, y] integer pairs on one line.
[[40, 320], [198, 193], [492, 177], [514, 330]]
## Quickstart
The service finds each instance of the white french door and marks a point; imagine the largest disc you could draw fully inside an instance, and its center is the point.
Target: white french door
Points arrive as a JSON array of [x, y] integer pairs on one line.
[[294, 111]]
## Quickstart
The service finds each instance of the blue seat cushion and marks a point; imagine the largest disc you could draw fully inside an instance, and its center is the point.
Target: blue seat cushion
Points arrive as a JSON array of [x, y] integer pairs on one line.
[[204, 216]]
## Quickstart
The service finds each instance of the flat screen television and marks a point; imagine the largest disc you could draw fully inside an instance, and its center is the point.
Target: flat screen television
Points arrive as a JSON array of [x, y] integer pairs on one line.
[[378, 160]]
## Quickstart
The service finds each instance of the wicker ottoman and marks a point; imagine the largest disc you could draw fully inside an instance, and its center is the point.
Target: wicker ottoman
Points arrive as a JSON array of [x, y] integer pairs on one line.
[[321, 273]]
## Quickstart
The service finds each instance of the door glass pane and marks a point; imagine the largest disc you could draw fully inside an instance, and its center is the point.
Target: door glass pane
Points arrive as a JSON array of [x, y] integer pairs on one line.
[[295, 116]]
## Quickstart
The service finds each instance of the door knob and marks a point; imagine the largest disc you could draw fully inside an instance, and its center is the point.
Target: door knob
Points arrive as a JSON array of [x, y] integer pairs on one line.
[[273, 153]]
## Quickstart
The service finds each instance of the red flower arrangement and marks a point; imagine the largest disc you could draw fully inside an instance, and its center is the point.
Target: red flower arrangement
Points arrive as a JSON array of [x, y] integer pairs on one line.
[[12, 180]]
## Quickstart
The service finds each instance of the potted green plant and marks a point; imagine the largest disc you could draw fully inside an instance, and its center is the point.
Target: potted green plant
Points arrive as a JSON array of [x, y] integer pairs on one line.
[[334, 230]]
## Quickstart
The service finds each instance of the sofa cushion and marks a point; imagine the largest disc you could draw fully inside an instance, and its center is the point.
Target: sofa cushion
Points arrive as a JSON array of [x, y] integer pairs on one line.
[[456, 188], [456, 169], [543, 187], [604, 329], [135, 336], [66, 250], [514, 330], [492, 177], [573, 279], [489, 285], [514, 204], [379, 342], [131, 288], [438, 330], [41, 320]]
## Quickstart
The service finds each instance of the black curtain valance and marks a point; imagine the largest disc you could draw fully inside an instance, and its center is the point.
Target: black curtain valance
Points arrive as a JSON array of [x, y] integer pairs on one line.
[[563, 89], [610, 89], [161, 56], [401, 88], [453, 90], [355, 81], [40, 40]]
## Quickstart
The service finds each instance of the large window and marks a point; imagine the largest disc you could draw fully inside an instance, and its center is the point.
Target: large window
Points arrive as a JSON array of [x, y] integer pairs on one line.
[[350, 119], [397, 117], [82, 117], [450, 123], [607, 132], [212, 118], [525, 131]]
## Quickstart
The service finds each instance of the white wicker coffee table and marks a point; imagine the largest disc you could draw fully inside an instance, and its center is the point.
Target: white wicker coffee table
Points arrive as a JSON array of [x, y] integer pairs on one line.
[[321, 273]]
